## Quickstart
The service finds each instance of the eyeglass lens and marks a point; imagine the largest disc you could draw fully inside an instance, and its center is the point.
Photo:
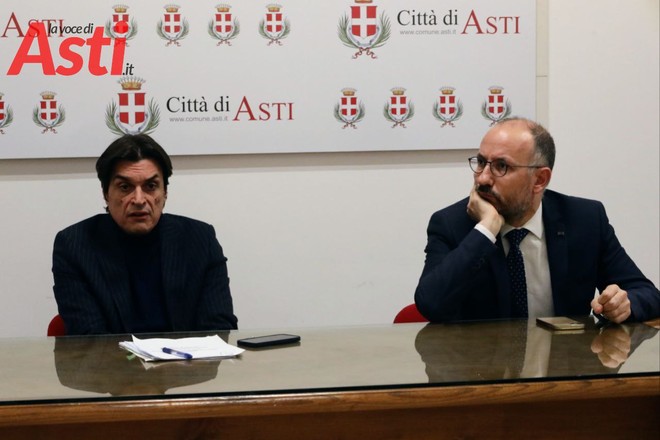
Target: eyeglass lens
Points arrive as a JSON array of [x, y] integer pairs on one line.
[[497, 167]]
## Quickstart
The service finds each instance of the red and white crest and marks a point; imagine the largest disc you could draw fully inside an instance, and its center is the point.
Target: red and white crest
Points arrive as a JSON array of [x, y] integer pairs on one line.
[[223, 23], [133, 114], [120, 21], [398, 107], [225, 27], [448, 108], [173, 27], [496, 102], [274, 20], [48, 112], [496, 107], [132, 107], [118, 18], [274, 26], [349, 109], [364, 21], [447, 104], [6, 114], [47, 115], [348, 106], [363, 30], [172, 23]]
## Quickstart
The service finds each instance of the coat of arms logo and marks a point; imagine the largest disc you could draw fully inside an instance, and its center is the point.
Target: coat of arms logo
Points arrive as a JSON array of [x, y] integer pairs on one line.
[[173, 27], [224, 27], [133, 115], [275, 26], [6, 114], [363, 30], [47, 114], [448, 108], [399, 109], [496, 107], [349, 110], [121, 25]]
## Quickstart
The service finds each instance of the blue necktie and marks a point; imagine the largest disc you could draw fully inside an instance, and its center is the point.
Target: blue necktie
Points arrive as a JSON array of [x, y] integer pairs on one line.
[[516, 266]]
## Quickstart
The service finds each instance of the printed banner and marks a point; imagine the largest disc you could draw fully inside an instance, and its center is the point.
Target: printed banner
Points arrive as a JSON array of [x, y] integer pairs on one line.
[[248, 77]]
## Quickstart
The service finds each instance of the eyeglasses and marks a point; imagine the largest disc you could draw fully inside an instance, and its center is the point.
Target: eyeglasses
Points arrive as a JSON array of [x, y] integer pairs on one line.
[[498, 167]]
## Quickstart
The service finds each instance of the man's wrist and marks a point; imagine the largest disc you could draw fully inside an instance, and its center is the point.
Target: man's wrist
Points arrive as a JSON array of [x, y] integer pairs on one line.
[[492, 223], [484, 230]]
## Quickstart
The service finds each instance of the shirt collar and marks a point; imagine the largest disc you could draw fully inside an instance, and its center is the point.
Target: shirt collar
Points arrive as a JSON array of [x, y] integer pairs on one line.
[[534, 225]]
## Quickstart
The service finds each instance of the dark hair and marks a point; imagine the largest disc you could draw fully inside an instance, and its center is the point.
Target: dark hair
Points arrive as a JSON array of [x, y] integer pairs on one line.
[[133, 148], [544, 145]]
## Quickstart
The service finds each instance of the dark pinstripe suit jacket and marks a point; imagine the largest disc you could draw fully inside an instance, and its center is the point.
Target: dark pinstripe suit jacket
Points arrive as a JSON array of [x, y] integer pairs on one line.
[[465, 275], [92, 287]]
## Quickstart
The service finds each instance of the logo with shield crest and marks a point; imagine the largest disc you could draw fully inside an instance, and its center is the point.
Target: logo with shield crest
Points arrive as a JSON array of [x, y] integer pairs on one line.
[[363, 29], [349, 110], [274, 26], [496, 106], [224, 27], [133, 115], [447, 108], [399, 109], [173, 27], [6, 114], [48, 114], [121, 25]]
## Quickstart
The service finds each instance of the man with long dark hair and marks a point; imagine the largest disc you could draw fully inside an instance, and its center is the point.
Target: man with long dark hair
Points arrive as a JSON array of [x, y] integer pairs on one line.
[[135, 269]]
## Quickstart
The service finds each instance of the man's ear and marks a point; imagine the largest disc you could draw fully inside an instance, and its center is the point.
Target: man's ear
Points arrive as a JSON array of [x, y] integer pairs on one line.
[[105, 198], [542, 179]]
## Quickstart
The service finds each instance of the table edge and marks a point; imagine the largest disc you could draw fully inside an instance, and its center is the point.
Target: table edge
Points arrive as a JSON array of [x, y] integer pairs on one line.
[[327, 401]]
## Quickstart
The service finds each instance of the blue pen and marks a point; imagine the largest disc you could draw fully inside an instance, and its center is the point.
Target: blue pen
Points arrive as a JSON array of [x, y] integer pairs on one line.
[[182, 354]]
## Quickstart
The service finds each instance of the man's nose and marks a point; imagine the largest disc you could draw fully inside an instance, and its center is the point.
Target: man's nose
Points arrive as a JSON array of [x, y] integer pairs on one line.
[[485, 177], [138, 196]]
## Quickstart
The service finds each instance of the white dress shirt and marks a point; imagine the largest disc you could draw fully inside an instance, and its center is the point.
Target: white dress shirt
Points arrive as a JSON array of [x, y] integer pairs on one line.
[[537, 270]]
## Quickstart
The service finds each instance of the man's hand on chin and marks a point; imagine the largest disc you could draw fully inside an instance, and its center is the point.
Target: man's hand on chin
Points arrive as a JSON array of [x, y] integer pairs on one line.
[[484, 213]]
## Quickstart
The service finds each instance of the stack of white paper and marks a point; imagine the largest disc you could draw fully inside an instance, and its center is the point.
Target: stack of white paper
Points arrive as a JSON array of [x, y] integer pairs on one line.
[[163, 349]]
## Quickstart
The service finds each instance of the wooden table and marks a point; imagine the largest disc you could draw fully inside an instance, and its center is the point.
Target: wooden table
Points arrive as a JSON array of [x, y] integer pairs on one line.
[[398, 381]]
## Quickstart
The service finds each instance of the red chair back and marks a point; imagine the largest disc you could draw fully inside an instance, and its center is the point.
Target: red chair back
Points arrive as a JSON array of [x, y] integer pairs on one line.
[[409, 314], [56, 327]]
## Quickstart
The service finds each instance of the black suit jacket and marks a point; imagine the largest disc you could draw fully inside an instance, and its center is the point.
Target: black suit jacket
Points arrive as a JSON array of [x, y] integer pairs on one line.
[[465, 275], [92, 286]]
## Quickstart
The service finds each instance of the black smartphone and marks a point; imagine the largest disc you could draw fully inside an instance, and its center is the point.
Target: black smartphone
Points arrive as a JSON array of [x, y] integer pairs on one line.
[[268, 341]]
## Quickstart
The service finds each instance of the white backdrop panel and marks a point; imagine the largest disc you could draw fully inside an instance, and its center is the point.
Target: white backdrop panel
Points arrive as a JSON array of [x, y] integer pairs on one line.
[[251, 91]]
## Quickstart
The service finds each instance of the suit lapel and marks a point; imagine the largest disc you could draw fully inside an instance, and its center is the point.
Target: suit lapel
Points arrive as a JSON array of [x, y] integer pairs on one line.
[[114, 271], [555, 238], [171, 266]]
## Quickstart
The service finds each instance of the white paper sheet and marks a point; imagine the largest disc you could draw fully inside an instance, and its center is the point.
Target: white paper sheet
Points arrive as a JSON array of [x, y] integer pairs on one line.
[[206, 347]]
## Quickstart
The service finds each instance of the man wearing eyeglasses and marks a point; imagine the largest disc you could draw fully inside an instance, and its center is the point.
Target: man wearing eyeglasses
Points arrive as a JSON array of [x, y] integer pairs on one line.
[[515, 249]]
